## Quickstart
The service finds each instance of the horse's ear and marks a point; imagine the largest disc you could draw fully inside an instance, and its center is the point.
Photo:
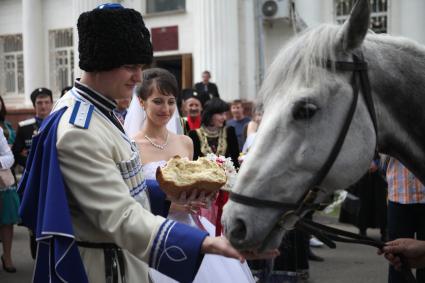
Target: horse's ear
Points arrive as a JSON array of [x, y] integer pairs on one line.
[[355, 27]]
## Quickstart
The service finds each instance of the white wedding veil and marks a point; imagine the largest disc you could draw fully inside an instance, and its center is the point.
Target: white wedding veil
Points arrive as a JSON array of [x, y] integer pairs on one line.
[[136, 116]]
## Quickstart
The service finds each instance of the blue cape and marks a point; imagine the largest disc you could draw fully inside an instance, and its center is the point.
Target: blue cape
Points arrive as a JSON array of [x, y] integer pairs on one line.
[[44, 209]]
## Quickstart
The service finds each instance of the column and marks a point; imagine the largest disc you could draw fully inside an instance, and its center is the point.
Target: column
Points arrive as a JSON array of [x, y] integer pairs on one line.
[[217, 45], [250, 50], [310, 11], [33, 47], [412, 20], [78, 7]]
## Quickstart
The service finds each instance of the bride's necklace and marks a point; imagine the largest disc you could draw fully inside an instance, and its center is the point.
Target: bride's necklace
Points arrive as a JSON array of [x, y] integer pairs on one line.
[[159, 146]]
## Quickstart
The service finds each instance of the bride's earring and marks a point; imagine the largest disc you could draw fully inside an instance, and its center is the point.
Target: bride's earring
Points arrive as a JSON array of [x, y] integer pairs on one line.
[[141, 103]]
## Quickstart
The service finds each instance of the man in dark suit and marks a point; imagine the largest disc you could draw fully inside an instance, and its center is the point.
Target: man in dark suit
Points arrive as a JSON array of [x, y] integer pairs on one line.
[[206, 89]]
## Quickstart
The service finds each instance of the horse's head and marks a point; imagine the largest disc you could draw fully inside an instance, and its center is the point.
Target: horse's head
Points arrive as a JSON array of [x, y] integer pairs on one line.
[[305, 109]]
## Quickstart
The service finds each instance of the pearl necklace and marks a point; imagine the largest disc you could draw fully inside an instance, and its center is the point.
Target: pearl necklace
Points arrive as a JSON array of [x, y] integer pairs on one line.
[[161, 147]]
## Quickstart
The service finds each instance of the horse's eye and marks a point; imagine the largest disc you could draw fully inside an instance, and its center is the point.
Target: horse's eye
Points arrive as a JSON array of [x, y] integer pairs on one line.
[[304, 110]]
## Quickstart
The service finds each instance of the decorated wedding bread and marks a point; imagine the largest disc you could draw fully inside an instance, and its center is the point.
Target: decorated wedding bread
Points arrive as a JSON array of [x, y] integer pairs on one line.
[[183, 175]]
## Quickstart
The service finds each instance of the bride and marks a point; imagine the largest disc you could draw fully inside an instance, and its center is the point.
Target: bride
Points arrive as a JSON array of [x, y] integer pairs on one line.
[[154, 125]]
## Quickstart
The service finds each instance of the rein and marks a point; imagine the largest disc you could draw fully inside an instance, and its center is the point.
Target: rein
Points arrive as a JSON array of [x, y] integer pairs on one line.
[[293, 218]]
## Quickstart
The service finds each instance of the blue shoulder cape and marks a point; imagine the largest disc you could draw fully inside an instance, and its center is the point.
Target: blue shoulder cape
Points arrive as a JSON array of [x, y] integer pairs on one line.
[[44, 209]]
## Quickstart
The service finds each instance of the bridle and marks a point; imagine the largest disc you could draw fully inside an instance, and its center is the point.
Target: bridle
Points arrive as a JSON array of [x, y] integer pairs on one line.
[[359, 80], [293, 217]]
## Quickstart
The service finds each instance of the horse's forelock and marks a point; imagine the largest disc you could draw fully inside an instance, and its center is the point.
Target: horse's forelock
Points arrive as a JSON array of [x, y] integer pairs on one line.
[[298, 61]]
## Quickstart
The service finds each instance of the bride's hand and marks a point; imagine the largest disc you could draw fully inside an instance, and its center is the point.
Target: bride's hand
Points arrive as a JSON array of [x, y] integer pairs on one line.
[[195, 199], [193, 207]]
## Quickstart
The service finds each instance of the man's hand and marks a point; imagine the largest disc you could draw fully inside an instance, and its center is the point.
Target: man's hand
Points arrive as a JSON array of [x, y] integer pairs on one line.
[[24, 152], [373, 167], [222, 246], [413, 250]]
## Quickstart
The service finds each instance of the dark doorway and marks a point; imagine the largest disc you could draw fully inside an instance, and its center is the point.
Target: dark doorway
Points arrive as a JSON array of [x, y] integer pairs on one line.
[[179, 65], [171, 63]]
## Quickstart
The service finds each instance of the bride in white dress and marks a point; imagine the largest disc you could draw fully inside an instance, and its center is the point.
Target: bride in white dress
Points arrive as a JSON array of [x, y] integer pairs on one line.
[[149, 113]]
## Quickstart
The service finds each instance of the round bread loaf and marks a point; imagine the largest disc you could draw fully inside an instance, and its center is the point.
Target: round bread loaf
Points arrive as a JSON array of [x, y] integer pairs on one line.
[[182, 175]]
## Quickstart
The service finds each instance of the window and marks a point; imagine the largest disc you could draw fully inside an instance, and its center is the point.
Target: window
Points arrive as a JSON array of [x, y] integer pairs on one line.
[[61, 59], [158, 6], [11, 65], [378, 17]]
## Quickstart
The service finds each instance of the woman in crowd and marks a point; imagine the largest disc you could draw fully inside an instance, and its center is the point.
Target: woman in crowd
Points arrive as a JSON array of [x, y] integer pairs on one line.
[[8, 130], [252, 127], [9, 204], [157, 95], [214, 137]]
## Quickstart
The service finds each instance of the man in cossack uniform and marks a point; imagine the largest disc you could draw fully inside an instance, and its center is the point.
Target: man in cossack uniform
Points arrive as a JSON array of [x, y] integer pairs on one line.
[[85, 193], [43, 102]]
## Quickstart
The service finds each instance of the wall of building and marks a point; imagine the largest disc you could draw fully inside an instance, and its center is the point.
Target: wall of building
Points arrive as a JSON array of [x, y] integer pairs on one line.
[[10, 17], [230, 50], [249, 79], [315, 12], [407, 19], [186, 29], [56, 15]]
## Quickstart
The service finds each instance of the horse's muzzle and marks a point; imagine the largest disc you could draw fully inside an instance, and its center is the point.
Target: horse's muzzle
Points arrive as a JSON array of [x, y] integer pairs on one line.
[[237, 233]]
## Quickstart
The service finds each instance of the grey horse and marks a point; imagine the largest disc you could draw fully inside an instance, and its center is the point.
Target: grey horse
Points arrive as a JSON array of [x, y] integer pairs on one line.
[[305, 105]]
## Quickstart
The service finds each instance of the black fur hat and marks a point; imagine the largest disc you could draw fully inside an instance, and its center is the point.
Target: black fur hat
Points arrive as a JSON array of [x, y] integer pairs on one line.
[[40, 91], [111, 36], [190, 93]]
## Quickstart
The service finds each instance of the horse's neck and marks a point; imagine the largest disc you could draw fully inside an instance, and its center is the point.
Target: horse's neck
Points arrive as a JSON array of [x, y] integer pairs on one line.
[[398, 82]]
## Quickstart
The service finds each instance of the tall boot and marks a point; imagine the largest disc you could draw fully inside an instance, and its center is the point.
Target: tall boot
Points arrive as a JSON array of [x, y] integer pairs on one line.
[[33, 245]]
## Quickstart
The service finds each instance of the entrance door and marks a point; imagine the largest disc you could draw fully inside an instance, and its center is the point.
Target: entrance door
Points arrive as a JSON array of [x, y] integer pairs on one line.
[[180, 66]]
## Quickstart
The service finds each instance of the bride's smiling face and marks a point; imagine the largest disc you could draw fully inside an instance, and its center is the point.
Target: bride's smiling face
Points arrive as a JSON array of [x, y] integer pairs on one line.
[[159, 107]]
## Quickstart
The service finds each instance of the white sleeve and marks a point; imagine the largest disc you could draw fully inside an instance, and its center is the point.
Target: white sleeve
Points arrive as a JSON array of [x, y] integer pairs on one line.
[[6, 155]]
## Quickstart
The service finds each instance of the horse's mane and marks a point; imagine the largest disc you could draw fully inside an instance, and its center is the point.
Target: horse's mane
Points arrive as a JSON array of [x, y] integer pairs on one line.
[[297, 63], [300, 55]]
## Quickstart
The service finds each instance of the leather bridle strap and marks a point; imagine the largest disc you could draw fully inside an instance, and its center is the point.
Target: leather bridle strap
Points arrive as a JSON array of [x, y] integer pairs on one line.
[[334, 234], [323, 172], [261, 203], [361, 66], [329, 234]]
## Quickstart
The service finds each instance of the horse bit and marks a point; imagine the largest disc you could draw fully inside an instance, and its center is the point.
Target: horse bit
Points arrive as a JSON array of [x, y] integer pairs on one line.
[[294, 217]]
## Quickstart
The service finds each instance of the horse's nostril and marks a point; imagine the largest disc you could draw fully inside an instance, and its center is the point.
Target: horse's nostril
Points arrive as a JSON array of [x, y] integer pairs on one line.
[[238, 232]]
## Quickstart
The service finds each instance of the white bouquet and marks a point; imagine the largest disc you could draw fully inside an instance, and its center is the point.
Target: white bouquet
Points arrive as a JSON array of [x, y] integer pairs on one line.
[[229, 169]]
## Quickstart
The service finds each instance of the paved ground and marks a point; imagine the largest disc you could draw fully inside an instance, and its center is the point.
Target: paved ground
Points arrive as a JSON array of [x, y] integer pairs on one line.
[[21, 257], [348, 263]]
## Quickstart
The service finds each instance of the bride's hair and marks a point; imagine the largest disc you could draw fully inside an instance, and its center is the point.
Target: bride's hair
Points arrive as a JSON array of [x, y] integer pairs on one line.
[[159, 79]]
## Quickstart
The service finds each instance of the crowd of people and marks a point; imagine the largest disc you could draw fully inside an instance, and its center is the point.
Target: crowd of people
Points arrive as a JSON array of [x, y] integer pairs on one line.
[[120, 139]]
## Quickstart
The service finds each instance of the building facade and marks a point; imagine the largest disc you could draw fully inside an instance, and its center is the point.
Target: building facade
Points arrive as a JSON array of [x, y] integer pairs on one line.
[[234, 39]]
